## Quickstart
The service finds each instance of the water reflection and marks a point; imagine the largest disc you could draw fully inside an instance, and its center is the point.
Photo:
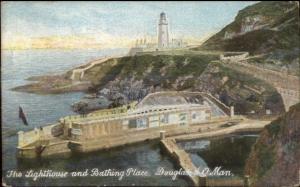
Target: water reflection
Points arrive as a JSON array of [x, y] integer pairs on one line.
[[228, 152], [194, 145], [141, 156]]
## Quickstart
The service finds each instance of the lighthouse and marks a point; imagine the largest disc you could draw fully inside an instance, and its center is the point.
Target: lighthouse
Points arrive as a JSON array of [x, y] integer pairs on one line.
[[163, 33]]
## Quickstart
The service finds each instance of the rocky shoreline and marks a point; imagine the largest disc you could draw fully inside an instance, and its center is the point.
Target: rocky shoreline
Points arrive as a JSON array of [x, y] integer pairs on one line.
[[126, 79], [52, 84]]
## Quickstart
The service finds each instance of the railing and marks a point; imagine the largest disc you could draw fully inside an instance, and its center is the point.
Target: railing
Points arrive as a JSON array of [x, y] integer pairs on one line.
[[278, 73], [123, 112], [221, 105], [183, 92], [270, 67], [105, 113], [274, 77], [127, 116], [286, 85], [89, 65]]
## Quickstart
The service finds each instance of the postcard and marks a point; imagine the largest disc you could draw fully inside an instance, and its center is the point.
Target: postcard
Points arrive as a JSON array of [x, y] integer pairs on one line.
[[150, 93]]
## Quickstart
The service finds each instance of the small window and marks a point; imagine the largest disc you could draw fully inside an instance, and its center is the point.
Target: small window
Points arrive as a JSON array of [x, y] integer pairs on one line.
[[182, 124], [194, 116], [132, 123]]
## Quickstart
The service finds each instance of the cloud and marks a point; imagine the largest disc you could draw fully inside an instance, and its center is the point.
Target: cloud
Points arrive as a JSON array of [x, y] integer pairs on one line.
[[98, 40], [107, 24]]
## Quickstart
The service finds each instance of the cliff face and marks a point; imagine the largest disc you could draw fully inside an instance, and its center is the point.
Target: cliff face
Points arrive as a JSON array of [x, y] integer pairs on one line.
[[274, 159], [131, 78], [268, 28]]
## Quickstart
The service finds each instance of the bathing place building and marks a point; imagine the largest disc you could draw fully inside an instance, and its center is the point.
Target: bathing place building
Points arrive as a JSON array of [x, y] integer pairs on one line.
[[155, 110], [173, 112]]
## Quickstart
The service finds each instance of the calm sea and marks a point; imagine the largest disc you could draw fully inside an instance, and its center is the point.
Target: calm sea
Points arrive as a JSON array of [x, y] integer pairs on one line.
[[44, 109]]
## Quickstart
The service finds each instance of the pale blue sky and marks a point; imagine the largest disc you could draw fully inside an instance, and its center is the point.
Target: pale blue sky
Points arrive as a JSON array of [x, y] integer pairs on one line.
[[130, 19]]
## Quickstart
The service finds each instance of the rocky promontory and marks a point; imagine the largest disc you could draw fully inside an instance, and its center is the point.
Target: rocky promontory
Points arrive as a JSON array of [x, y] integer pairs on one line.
[[130, 78], [52, 84], [269, 31], [274, 159]]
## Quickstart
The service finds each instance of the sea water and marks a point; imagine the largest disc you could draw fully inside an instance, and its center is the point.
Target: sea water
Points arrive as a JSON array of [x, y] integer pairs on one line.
[[41, 110], [229, 153]]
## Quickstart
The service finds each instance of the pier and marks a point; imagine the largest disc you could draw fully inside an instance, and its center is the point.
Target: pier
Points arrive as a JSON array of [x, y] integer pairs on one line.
[[245, 126], [183, 160]]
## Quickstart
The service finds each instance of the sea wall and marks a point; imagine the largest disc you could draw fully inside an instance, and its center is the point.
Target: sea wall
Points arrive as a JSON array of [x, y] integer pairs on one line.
[[30, 137]]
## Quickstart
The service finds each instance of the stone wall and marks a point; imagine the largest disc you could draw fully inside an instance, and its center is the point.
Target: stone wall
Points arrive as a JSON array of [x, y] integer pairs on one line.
[[277, 79], [233, 56], [30, 137], [27, 138], [90, 131], [288, 86]]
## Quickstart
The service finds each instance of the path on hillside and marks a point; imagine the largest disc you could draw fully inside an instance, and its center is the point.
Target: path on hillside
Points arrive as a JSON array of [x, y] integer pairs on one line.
[[82, 70], [288, 86]]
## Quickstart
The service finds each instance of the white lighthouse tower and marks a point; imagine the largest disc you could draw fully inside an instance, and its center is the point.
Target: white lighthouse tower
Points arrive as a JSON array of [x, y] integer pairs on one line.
[[163, 33]]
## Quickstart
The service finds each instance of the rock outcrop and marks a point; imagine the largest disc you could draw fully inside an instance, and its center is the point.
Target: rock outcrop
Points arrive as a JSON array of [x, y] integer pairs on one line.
[[274, 159], [132, 78]]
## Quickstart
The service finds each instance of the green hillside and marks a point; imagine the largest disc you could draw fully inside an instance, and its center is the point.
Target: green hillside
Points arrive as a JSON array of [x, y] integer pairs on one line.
[[268, 28], [131, 78]]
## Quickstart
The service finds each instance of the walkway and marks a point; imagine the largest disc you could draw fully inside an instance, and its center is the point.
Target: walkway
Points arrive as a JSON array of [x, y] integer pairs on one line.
[[182, 158], [288, 86], [246, 125], [81, 71]]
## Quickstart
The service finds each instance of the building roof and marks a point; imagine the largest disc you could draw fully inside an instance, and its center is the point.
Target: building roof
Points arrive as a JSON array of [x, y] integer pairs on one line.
[[171, 98], [179, 100]]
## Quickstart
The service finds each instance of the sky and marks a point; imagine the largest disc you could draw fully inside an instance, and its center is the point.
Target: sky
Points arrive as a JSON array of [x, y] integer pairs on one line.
[[109, 24]]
